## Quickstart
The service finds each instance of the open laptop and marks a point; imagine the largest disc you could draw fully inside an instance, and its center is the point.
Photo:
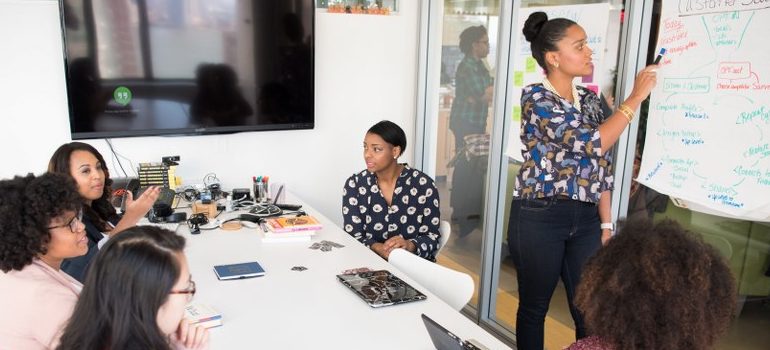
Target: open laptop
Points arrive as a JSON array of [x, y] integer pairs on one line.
[[380, 288], [445, 340]]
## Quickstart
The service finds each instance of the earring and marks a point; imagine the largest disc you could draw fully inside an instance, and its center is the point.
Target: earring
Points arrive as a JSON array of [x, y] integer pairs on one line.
[[556, 64], [395, 157]]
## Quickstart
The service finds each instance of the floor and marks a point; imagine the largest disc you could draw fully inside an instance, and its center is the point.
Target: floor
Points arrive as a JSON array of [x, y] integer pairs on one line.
[[748, 332]]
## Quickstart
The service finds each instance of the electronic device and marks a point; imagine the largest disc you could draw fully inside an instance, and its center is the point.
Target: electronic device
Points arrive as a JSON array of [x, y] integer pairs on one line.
[[380, 288], [184, 68], [240, 194], [446, 340]]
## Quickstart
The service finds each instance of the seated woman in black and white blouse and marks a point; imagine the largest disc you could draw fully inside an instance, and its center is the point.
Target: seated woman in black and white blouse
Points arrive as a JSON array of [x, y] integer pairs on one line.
[[390, 205]]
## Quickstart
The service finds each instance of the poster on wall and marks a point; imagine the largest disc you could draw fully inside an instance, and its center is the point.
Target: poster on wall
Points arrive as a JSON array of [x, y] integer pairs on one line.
[[708, 130], [594, 20]]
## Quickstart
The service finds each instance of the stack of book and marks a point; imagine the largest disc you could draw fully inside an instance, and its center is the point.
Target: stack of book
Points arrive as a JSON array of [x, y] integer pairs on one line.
[[157, 174], [293, 229], [202, 315]]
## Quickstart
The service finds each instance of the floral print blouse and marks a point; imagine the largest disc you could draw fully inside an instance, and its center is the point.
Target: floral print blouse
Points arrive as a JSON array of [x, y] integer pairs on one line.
[[563, 155], [413, 213]]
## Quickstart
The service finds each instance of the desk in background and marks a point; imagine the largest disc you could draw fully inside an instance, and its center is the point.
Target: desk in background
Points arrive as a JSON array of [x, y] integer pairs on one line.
[[310, 309]]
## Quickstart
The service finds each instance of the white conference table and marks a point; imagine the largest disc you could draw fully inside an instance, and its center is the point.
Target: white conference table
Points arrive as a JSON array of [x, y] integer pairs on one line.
[[311, 309]]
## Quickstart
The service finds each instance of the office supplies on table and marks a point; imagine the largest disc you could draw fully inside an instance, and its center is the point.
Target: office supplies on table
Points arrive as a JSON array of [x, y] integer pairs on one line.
[[445, 340], [299, 223], [380, 288], [202, 315], [237, 271]]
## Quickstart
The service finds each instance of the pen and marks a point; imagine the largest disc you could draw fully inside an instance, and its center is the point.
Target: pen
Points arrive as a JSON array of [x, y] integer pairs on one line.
[[660, 55], [262, 224]]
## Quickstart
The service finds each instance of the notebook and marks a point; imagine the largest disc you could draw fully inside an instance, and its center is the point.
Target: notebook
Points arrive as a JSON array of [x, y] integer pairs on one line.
[[237, 271], [380, 288], [445, 340]]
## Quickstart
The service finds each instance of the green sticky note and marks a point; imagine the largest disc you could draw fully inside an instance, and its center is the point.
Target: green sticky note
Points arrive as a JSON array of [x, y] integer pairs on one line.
[[518, 78], [531, 65], [516, 116]]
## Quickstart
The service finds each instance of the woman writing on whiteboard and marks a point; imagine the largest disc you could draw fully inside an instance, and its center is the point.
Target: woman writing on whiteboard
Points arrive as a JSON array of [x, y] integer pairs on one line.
[[560, 214], [390, 205], [84, 164]]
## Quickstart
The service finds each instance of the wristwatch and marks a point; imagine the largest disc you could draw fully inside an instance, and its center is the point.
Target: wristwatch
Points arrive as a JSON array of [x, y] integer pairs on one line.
[[608, 226]]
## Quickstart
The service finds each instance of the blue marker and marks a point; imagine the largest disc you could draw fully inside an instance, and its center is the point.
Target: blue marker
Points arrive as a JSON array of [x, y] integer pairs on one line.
[[660, 55]]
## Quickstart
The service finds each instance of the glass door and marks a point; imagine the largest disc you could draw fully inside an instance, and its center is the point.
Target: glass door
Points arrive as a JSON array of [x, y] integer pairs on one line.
[[463, 120]]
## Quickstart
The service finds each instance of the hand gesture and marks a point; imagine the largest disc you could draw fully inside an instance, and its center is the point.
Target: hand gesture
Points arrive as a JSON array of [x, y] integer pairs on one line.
[[136, 209], [396, 242], [190, 337], [645, 82]]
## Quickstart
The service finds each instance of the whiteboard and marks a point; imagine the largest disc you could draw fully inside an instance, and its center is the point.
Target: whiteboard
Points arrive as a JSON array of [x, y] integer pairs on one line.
[[708, 129], [593, 18]]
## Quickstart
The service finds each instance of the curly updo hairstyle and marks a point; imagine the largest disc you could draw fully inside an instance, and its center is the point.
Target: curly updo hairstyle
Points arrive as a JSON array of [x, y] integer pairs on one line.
[[657, 287], [543, 34], [101, 210], [469, 36], [27, 206]]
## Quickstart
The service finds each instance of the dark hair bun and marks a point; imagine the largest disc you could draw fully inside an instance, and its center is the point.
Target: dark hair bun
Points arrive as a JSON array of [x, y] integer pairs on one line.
[[533, 25]]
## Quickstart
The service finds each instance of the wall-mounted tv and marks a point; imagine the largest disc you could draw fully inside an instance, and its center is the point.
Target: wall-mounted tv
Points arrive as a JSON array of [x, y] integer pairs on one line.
[[164, 67]]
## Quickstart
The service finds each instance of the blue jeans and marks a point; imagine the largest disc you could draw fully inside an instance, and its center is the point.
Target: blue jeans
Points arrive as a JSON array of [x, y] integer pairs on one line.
[[548, 239]]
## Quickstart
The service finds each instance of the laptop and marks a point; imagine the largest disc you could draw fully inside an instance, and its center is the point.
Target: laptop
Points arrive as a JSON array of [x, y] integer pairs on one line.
[[445, 340], [380, 288]]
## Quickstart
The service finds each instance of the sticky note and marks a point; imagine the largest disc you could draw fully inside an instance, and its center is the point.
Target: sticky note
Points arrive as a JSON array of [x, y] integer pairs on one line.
[[516, 116], [531, 65], [518, 78]]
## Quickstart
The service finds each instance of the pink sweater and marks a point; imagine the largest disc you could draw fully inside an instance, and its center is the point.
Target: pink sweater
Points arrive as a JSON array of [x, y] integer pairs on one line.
[[36, 302]]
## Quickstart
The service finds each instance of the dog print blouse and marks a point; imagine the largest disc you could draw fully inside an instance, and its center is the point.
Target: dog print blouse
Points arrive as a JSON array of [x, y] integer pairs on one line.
[[562, 155]]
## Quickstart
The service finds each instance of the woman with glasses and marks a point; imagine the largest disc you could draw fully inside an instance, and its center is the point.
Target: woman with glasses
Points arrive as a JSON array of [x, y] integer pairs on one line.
[[84, 164], [39, 228], [134, 296]]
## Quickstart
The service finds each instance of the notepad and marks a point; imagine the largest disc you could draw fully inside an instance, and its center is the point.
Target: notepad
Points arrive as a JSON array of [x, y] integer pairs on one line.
[[236, 271]]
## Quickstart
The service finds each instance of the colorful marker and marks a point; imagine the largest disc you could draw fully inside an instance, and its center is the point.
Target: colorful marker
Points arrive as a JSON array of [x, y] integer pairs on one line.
[[660, 55]]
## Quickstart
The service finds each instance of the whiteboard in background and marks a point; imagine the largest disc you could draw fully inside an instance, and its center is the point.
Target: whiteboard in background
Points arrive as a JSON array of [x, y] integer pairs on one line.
[[708, 130]]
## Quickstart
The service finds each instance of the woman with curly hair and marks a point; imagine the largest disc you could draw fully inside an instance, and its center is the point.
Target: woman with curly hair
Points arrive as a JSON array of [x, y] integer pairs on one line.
[[40, 227], [134, 296], [84, 164], [655, 287]]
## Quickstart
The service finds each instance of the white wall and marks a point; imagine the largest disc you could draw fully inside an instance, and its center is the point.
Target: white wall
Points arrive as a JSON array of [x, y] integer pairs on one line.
[[365, 72]]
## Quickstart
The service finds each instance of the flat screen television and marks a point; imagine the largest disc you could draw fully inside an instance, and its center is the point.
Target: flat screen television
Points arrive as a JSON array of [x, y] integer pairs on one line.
[[187, 67]]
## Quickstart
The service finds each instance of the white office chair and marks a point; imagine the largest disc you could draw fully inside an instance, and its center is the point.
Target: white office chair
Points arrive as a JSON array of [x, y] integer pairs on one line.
[[453, 287], [445, 229]]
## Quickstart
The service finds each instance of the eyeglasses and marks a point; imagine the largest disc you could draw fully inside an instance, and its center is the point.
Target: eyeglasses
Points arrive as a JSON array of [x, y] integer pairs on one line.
[[190, 291], [73, 223]]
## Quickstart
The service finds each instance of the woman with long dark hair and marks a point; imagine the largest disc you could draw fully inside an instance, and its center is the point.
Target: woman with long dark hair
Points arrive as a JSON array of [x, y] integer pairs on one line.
[[84, 164], [39, 227], [560, 213], [134, 296]]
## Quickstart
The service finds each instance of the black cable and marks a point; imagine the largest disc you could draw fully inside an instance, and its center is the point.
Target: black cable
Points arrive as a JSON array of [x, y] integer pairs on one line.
[[115, 154]]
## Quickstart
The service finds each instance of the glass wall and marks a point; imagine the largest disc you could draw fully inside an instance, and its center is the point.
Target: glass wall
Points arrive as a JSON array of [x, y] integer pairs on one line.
[[469, 39], [475, 174]]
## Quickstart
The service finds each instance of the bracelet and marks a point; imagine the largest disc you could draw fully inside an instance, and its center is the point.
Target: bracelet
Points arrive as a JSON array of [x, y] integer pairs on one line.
[[627, 112]]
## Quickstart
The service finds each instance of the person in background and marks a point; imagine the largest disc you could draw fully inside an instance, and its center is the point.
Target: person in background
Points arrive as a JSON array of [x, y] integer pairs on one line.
[[468, 116], [135, 296], [655, 287], [84, 164], [390, 205], [560, 212], [39, 227]]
